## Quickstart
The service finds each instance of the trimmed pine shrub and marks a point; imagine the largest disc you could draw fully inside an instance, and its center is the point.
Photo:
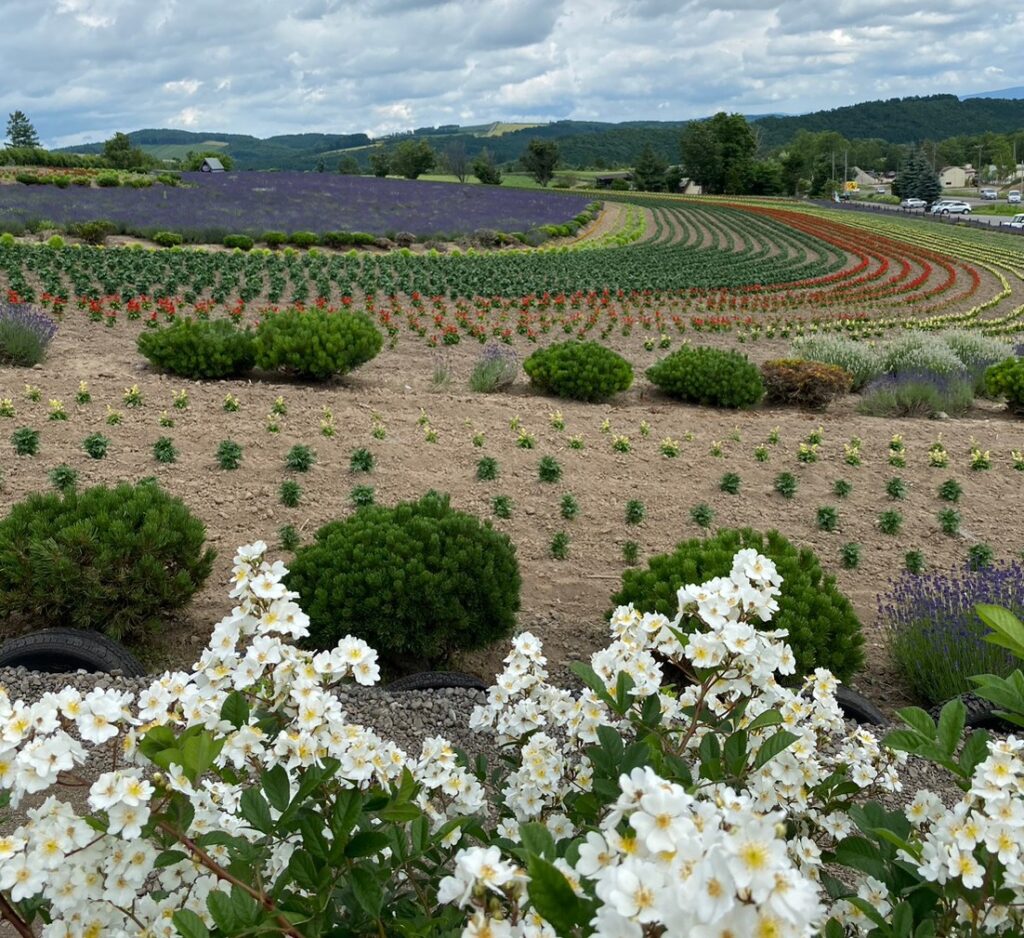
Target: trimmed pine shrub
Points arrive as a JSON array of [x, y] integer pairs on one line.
[[196, 348], [710, 376], [1007, 380], [114, 560], [581, 371], [316, 344], [419, 582], [824, 631], [799, 383]]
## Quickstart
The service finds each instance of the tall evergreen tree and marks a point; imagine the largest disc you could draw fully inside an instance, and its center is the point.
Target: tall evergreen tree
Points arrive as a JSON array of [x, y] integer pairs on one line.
[[20, 132], [649, 172], [917, 179]]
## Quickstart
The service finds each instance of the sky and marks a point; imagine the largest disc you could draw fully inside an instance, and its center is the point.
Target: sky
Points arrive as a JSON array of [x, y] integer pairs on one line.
[[82, 69]]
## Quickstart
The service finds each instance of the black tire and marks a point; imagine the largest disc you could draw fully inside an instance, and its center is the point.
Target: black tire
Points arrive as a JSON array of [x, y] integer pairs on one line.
[[981, 714], [436, 680], [857, 707], [945, 211], [61, 651]]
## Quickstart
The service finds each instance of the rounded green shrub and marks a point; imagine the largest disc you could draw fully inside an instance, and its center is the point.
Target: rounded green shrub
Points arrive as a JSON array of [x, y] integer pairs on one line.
[[200, 348], [167, 239], [703, 375], [239, 241], [824, 631], [1007, 380], [417, 581], [114, 560], [583, 371], [304, 239], [315, 343]]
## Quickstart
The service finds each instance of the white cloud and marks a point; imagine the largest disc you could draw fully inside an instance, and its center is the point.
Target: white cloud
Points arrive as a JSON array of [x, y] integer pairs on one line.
[[284, 66]]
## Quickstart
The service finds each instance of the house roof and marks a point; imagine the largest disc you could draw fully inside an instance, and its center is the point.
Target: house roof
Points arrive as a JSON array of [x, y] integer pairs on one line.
[[213, 162]]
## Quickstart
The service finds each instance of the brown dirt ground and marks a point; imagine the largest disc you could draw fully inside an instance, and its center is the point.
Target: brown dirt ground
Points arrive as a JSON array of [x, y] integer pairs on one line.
[[563, 602]]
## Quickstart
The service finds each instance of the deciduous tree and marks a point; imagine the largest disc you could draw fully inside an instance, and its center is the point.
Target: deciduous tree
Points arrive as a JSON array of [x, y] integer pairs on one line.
[[540, 158], [485, 169], [412, 158]]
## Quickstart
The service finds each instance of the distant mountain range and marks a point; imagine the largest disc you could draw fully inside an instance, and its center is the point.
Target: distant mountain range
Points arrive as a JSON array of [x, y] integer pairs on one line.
[[1017, 92], [595, 143]]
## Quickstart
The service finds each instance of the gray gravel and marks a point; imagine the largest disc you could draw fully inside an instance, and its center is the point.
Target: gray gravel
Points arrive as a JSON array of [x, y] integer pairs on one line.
[[407, 717]]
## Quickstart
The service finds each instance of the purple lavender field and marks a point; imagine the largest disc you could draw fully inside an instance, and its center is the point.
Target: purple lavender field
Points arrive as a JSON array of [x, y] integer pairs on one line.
[[255, 202]]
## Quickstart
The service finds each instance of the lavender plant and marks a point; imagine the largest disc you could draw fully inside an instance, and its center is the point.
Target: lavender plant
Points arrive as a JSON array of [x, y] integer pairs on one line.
[[917, 393], [934, 635], [25, 335], [495, 369]]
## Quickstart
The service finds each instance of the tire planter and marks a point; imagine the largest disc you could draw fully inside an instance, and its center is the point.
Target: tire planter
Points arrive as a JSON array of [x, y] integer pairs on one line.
[[436, 680], [981, 714], [61, 651], [857, 707]]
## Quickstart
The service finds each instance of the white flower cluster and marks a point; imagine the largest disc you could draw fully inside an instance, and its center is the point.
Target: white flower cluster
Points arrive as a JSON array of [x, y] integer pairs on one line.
[[684, 851], [99, 882]]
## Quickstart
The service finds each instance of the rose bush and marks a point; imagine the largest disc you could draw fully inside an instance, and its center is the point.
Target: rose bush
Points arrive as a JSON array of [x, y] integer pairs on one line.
[[238, 799]]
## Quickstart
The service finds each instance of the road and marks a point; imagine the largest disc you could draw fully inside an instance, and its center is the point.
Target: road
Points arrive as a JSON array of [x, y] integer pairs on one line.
[[975, 220]]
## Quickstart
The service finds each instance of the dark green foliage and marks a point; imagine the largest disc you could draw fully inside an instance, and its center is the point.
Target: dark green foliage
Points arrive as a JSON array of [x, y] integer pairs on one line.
[[96, 445], [949, 521], [92, 232], [63, 478], [824, 631], [290, 492], [274, 239], [229, 454], [487, 469], [842, 488], [718, 153], [114, 560], [548, 469], [702, 515], [582, 371], [849, 554], [950, 491], [239, 241], [199, 348], [164, 450], [979, 556], [419, 582], [25, 441], [730, 483], [635, 511], [361, 460], [289, 538], [559, 546], [704, 375], [300, 458], [570, 508], [802, 383], [361, 495], [314, 343], [502, 506], [913, 560], [1007, 380], [630, 553], [890, 522], [828, 518], [786, 484], [896, 489], [540, 158], [918, 178]]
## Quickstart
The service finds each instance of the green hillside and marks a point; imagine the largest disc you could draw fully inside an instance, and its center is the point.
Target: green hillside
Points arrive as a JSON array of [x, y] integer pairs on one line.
[[599, 144]]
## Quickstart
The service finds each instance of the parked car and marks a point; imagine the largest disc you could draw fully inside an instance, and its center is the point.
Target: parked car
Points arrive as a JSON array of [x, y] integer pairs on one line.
[[1016, 222], [913, 203], [989, 194], [1013, 196], [881, 190], [950, 207]]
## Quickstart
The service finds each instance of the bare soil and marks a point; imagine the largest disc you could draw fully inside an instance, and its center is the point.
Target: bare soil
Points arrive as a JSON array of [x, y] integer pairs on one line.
[[562, 601]]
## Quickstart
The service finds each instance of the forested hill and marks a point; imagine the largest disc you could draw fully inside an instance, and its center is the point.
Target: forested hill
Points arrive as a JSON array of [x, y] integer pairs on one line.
[[597, 144], [902, 120]]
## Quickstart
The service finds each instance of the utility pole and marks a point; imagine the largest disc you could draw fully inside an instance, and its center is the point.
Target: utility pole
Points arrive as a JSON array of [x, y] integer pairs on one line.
[[977, 169]]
